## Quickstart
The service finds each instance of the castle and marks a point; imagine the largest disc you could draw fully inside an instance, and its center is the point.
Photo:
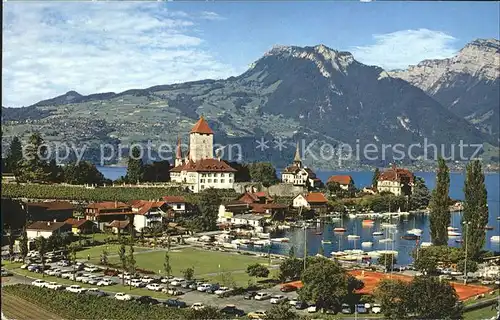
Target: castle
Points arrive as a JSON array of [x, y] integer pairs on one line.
[[199, 170]]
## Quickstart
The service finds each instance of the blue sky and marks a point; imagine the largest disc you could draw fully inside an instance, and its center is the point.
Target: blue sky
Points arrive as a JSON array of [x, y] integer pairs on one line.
[[51, 48]]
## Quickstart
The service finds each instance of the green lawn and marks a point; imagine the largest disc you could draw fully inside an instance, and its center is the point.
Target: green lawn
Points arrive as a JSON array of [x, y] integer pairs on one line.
[[479, 314], [95, 252], [204, 262], [487, 296]]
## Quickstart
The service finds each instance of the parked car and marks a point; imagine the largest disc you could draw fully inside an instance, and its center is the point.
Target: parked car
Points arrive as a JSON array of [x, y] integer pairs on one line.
[[175, 303], [262, 296], [147, 300], [32, 267], [125, 275], [91, 269], [204, 287], [166, 279], [75, 289], [154, 287], [176, 281], [135, 283], [287, 288], [173, 291], [25, 266], [81, 277], [249, 295], [187, 284], [122, 296], [105, 282], [94, 280], [197, 306], [147, 279], [259, 314], [213, 288], [232, 311], [6, 273], [39, 283], [96, 292], [312, 309], [195, 285], [376, 308], [301, 305], [64, 263], [360, 308], [278, 299], [221, 290], [54, 286], [346, 309]]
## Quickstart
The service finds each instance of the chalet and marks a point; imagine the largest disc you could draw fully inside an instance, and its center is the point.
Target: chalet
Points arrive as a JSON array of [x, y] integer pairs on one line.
[[118, 226], [398, 181], [299, 175], [345, 182], [147, 214], [312, 201], [102, 213], [178, 204], [50, 210], [46, 229], [82, 226], [261, 203]]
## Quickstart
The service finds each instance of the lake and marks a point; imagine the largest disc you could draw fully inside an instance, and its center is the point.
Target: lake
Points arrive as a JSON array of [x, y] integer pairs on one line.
[[354, 226]]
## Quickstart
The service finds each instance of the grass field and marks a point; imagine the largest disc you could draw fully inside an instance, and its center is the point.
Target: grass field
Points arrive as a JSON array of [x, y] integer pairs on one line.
[[95, 252], [479, 314], [203, 262]]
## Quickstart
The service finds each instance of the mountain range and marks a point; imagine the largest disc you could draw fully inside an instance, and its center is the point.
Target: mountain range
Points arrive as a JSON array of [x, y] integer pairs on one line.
[[312, 94]]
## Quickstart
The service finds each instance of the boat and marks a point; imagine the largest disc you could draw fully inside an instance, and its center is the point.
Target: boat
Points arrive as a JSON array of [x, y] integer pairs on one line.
[[495, 238], [339, 229], [386, 240], [452, 229], [389, 225], [262, 243], [319, 233], [280, 239], [454, 234], [366, 244], [488, 228], [498, 218], [459, 240], [426, 244], [415, 231], [410, 237], [338, 253], [326, 242], [352, 216], [367, 221], [264, 235], [352, 237]]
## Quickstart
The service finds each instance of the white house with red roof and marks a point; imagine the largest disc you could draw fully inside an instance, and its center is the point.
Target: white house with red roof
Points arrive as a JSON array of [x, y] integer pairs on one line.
[[199, 170], [147, 214], [311, 201], [398, 181], [345, 182], [299, 175]]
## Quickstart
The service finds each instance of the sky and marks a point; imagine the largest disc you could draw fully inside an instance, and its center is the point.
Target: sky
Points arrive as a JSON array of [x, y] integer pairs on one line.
[[50, 48]]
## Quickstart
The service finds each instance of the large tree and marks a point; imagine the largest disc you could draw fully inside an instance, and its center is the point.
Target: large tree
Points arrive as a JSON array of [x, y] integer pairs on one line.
[[281, 311], [208, 206], [263, 172], [439, 205], [135, 167], [157, 171], [475, 213], [326, 284], [420, 195], [122, 255], [82, 172], [376, 175], [290, 269], [14, 156], [34, 167], [257, 270]]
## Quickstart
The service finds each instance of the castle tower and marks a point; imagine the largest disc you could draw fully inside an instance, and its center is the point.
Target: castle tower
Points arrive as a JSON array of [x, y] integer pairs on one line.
[[296, 159], [201, 141], [178, 153]]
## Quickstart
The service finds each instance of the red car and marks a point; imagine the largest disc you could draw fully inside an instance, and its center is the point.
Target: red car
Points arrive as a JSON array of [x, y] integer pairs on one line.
[[288, 288]]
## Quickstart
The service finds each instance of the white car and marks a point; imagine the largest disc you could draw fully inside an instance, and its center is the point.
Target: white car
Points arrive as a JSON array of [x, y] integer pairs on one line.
[[24, 266], [105, 282], [197, 306], [52, 272], [91, 269], [147, 279], [262, 296], [75, 289], [376, 308], [176, 282], [204, 287], [154, 287], [122, 296], [136, 283], [293, 302], [64, 263], [166, 279], [39, 283], [93, 280], [54, 286], [278, 298], [312, 309], [81, 278], [222, 290], [125, 275]]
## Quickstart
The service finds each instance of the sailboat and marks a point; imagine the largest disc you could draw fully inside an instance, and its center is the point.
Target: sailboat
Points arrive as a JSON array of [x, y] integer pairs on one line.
[[414, 231], [341, 228], [326, 242], [378, 233]]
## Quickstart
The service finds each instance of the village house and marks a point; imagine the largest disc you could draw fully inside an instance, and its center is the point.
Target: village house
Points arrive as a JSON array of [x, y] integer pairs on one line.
[[50, 210], [178, 204], [118, 226], [46, 229], [103, 213], [261, 203], [398, 181], [345, 182], [148, 214], [299, 175], [82, 226], [312, 201], [199, 170]]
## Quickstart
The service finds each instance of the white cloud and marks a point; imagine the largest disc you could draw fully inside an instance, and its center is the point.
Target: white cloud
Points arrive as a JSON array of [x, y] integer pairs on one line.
[[399, 49], [210, 15], [49, 49]]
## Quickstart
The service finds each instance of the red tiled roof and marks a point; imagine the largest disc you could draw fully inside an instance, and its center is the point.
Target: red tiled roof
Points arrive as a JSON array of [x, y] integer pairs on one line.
[[76, 223], [120, 224], [262, 207], [46, 225], [291, 169], [316, 197], [202, 127], [396, 174], [174, 199], [114, 213], [249, 197], [145, 206], [52, 205], [341, 179], [108, 205], [205, 165]]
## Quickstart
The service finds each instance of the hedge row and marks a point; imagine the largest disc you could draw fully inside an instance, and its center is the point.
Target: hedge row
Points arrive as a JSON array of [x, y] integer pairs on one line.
[[82, 306]]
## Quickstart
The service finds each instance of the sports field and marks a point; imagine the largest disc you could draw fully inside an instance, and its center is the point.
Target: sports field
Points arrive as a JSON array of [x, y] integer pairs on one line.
[[371, 280]]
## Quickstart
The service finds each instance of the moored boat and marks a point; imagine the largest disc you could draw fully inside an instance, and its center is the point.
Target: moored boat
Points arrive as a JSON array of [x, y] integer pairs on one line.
[[389, 225], [459, 240], [495, 238], [378, 233], [453, 233], [326, 242], [339, 229], [386, 240], [488, 228], [367, 221], [318, 233], [415, 231], [452, 229], [366, 244], [410, 237], [353, 237]]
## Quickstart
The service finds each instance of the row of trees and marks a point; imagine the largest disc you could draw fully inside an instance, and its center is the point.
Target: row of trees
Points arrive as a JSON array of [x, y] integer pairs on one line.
[[475, 212]]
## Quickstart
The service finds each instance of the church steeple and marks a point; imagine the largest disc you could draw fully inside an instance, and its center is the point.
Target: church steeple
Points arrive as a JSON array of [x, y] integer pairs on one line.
[[178, 152], [296, 160]]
